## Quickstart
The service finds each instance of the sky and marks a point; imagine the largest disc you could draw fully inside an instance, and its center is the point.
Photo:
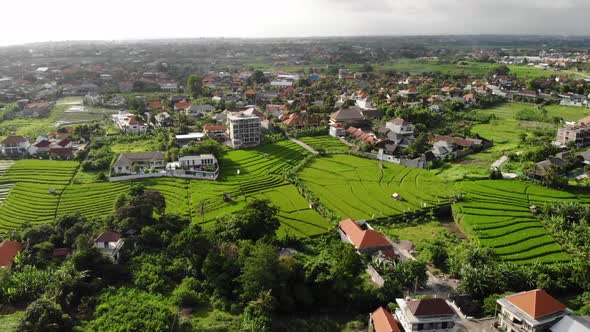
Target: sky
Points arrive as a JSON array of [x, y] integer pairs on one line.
[[25, 21]]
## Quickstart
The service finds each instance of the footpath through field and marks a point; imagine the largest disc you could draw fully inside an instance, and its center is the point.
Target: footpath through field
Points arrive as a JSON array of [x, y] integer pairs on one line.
[[303, 145]]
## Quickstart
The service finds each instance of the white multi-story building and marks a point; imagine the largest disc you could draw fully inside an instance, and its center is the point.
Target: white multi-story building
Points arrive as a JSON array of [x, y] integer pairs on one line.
[[203, 166], [429, 315], [243, 130]]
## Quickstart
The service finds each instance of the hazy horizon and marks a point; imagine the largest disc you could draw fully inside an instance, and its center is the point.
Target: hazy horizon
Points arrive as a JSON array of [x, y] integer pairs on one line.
[[110, 20]]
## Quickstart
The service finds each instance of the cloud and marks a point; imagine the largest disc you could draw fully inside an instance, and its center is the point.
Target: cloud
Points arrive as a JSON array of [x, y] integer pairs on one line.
[[36, 20]]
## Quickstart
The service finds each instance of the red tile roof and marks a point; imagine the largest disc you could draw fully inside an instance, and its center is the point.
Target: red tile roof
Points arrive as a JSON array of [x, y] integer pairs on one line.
[[383, 321], [469, 96], [250, 92], [155, 105], [181, 105], [108, 237], [536, 303], [212, 127], [9, 250], [362, 238]]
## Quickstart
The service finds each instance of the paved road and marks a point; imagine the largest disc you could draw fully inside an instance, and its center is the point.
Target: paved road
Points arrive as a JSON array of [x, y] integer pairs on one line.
[[303, 145]]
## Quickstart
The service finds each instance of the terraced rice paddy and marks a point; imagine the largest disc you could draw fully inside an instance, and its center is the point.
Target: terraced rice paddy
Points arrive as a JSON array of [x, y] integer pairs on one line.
[[5, 187], [358, 188], [497, 214], [260, 176], [34, 197], [326, 143]]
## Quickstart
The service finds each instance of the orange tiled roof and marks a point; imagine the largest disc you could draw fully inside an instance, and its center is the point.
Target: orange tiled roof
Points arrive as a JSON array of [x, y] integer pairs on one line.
[[536, 303], [362, 238], [383, 321]]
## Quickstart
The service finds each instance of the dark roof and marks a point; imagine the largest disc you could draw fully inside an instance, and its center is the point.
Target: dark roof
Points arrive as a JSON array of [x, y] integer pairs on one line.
[[430, 307], [15, 140], [108, 237], [347, 114], [61, 252]]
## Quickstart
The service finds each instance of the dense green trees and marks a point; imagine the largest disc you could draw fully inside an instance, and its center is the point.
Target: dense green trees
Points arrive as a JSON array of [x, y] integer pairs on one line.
[[194, 86], [44, 315], [128, 309]]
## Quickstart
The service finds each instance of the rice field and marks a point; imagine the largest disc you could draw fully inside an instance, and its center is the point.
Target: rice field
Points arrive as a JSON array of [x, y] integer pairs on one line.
[[358, 188], [497, 214], [260, 176], [34, 196]]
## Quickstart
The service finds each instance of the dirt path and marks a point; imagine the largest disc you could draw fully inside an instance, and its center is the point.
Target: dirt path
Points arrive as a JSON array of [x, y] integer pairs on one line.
[[303, 145]]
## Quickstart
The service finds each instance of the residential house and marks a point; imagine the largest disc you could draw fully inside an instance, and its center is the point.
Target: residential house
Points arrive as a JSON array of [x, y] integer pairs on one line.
[[337, 131], [347, 117], [400, 132], [443, 149], [430, 315], [163, 120], [15, 145], [132, 162], [357, 133], [182, 105], [110, 244], [243, 129], [408, 93], [532, 311], [363, 237], [129, 123], [8, 251], [203, 166], [276, 110], [213, 130], [558, 164], [475, 143], [40, 147], [572, 99], [155, 106], [187, 139], [199, 111], [381, 320]]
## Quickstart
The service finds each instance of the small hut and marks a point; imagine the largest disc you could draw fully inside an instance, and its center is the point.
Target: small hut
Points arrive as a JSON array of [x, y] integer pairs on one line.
[[396, 196]]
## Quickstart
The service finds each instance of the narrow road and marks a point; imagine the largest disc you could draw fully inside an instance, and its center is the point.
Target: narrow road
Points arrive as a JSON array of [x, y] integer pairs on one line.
[[303, 145]]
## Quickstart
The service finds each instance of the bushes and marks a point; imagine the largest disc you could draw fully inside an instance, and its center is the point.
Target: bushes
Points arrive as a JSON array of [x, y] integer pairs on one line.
[[189, 293], [127, 309]]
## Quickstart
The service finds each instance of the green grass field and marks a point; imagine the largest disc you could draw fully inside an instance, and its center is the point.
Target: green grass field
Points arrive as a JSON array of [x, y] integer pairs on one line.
[[357, 188], [497, 214], [326, 143], [9, 323], [505, 130]]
